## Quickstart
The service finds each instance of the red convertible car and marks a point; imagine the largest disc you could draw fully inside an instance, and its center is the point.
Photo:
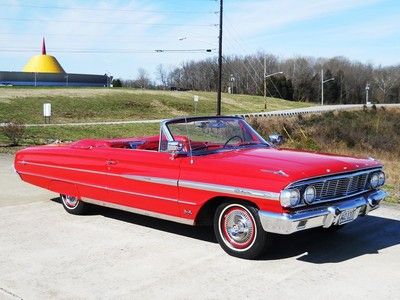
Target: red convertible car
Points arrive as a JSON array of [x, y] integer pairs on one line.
[[210, 170]]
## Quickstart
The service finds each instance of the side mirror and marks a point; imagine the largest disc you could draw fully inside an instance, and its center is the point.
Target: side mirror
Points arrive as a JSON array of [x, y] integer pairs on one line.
[[276, 139], [174, 148]]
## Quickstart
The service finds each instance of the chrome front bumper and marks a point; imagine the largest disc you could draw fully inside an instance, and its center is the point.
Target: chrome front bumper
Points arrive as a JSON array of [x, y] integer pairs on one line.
[[321, 216]]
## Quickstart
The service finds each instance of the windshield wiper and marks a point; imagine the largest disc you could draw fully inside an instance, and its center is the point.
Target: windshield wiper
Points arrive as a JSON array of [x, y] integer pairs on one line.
[[200, 148], [252, 144]]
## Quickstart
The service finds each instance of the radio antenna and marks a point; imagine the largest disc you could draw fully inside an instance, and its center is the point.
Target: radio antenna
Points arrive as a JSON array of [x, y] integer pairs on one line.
[[190, 144]]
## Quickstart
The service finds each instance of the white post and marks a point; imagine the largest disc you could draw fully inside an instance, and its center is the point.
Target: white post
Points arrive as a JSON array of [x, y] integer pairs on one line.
[[196, 101], [47, 112]]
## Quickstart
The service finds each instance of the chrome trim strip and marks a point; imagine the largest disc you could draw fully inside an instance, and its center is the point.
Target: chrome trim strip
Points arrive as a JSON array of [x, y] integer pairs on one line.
[[100, 187], [164, 181], [158, 180], [316, 202], [187, 202], [140, 211], [181, 183], [229, 190], [332, 176]]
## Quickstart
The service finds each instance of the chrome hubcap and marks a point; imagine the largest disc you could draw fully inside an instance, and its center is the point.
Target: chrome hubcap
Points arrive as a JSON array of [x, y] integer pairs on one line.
[[70, 201], [238, 228]]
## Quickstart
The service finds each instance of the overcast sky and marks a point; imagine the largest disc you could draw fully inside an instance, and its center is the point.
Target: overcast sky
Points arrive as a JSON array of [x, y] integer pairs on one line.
[[80, 33]]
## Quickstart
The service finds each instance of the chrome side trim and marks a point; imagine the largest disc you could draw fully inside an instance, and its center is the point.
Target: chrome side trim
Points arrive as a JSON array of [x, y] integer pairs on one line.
[[159, 180], [99, 187], [164, 181], [237, 191], [229, 190], [140, 211], [322, 216]]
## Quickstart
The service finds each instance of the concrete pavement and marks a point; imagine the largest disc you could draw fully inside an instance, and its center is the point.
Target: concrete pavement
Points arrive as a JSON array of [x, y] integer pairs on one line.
[[46, 253]]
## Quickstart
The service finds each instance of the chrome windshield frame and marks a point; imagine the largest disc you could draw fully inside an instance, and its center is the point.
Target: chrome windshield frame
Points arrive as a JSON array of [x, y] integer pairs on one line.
[[165, 130]]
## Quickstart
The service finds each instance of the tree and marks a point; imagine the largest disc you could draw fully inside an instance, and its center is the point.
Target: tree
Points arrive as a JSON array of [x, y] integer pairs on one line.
[[386, 79], [142, 81], [117, 83], [162, 76]]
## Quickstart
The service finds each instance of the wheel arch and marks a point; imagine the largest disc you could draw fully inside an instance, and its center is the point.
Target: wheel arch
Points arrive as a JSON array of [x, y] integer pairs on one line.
[[206, 213], [63, 187]]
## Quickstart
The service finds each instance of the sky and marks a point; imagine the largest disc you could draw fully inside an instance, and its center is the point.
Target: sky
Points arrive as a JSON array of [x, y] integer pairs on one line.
[[119, 37]]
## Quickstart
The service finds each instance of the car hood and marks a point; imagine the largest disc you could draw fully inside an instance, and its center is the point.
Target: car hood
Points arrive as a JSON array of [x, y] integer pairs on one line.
[[293, 164]]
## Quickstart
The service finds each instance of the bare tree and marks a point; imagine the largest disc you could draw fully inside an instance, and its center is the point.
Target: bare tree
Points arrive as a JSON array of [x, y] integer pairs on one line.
[[142, 81], [162, 76], [385, 79]]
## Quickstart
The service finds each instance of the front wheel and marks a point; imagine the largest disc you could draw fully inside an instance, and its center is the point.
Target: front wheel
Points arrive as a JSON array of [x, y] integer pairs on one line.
[[73, 205], [239, 231]]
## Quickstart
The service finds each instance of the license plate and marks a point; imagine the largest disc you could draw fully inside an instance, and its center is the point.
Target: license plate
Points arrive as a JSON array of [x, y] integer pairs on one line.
[[347, 216]]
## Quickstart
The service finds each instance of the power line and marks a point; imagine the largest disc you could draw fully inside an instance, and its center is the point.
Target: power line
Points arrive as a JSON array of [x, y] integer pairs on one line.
[[126, 40], [107, 51], [256, 84], [259, 63], [33, 34], [105, 22], [109, 9]]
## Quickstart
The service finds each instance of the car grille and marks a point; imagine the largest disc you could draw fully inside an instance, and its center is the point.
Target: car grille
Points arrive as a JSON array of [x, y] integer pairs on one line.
[[336, 186], [341, 187]]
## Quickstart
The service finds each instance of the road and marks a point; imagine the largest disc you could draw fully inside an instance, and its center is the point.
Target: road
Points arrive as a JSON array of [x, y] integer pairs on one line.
[[286, 112], [47, 253]]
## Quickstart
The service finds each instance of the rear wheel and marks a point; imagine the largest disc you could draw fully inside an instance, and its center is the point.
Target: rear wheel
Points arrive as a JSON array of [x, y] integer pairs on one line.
[[73, 205], [238, 230]]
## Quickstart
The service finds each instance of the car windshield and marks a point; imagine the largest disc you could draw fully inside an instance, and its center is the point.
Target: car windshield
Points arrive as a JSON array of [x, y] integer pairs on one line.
[[203, 135]]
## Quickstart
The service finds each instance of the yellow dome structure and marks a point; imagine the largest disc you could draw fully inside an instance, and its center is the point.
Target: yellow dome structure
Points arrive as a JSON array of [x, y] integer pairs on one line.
[[43, 63]]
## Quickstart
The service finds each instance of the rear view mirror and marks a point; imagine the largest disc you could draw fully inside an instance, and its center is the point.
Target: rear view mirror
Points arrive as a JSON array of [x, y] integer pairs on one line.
[[276, 139], [174, 147]]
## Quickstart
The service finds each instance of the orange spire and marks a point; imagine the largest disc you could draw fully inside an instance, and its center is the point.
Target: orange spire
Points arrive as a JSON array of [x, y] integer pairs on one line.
[[43, 47]]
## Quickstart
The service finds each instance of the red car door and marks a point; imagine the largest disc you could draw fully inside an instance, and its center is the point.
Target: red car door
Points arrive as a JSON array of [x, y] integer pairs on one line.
[[143, 179]]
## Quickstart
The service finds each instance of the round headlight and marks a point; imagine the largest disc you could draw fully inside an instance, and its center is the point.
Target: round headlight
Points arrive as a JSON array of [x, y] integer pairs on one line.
[[381, 178], [290, 198], [310, 194], [374, 180]]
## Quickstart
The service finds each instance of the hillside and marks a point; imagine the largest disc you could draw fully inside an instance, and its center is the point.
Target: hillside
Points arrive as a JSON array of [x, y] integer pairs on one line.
[[89, 104], [367, 133]]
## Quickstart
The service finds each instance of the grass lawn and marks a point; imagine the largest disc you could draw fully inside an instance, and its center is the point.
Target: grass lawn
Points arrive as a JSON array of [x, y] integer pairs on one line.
[[106, 104]]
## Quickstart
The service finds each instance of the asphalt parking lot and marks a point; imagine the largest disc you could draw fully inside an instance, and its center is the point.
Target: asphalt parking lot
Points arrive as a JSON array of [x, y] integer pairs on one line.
[[47, 253]]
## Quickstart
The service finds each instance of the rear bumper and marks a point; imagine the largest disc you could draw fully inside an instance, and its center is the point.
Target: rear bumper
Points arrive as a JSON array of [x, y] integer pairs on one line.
[[321, 216]]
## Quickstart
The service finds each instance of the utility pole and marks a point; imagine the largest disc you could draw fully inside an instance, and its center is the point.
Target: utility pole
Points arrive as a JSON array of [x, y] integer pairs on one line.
[[265, 82], [322, 85], [219, 60]]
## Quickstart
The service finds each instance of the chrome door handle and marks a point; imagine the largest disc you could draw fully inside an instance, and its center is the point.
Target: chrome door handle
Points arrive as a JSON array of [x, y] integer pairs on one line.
[[111, 162]]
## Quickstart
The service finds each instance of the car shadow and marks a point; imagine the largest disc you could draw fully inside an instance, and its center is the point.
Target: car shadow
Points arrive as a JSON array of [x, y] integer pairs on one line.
[[366, 235], [203, 233]]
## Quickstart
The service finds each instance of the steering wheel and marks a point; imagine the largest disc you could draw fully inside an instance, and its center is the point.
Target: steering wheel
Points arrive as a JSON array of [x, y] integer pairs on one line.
[[232, 138]]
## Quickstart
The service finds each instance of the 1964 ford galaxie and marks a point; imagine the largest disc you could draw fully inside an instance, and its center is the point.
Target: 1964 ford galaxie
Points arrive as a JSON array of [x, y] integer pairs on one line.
[[209, 170]]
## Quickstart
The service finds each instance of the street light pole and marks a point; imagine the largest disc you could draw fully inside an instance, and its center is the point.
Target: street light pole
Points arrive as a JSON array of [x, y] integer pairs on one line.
[[219, 59], [322, 85], [265, 81]]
